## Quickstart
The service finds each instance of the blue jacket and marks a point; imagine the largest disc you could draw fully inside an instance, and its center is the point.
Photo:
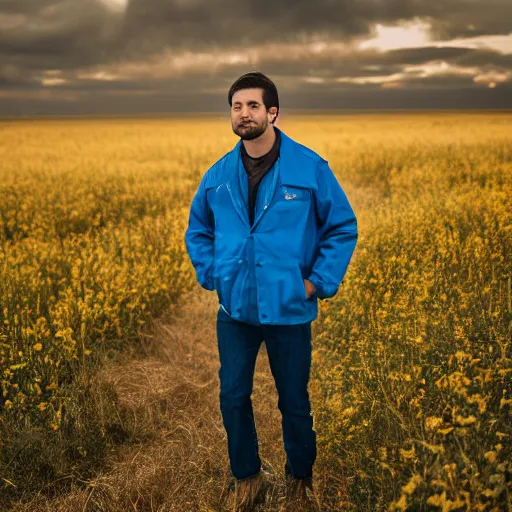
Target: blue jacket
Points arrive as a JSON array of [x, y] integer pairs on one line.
[[304, 228]]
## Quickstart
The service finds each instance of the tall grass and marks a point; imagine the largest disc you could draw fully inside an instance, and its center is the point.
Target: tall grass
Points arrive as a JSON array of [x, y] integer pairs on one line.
[[414, 370], [92, 216], [411, 379]]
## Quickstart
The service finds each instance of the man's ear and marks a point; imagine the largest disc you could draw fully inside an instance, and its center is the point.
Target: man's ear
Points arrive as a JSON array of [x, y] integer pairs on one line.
[[273, 111]]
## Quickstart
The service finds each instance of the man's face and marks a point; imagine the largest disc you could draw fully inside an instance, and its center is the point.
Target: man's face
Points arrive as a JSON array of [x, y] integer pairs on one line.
[[249, 117]]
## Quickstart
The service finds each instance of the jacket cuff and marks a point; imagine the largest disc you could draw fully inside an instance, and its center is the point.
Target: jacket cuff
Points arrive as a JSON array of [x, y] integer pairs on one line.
[[323, 290]]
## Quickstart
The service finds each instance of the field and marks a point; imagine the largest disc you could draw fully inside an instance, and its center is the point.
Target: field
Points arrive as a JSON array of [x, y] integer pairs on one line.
[[108, 358]]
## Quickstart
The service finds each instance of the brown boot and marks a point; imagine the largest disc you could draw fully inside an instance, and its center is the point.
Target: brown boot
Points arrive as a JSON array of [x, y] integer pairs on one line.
[[246, 494], [300, 496]]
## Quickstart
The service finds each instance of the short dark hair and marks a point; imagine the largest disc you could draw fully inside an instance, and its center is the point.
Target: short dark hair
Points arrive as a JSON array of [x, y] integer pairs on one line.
[[257, 80]]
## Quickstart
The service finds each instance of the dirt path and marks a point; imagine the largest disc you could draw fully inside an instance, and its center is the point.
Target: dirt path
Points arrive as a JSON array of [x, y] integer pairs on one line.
[[178, 459]]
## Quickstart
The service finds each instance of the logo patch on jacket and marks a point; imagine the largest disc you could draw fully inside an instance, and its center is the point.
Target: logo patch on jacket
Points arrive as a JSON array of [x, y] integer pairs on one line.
[[294, 194]]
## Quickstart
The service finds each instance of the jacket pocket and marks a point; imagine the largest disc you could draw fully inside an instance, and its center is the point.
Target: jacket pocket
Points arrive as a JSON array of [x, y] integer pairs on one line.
[[289, 216], [284, 291], [227, 281]]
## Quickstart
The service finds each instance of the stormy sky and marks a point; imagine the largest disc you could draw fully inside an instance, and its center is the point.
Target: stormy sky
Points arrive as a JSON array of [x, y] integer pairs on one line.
[[94, 57]]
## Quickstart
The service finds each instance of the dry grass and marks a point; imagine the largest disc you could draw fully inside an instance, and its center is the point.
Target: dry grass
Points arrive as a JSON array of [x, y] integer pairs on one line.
[[176, 459]]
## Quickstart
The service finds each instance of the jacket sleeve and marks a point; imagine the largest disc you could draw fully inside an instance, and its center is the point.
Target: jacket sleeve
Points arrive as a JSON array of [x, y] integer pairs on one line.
[[337, 233], [199, 238]]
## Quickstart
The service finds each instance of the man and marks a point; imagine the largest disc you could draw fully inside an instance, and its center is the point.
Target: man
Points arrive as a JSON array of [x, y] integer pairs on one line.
[[272, 231]]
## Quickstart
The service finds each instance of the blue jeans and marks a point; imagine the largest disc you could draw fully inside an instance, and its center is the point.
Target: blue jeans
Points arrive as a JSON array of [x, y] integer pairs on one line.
[[289, 354]]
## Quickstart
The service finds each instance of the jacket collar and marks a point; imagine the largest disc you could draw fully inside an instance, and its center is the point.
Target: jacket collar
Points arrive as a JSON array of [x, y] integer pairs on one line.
[[289, 168]]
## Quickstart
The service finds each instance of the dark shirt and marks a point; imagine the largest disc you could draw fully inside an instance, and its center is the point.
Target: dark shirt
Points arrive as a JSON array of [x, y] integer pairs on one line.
[[256, 168]]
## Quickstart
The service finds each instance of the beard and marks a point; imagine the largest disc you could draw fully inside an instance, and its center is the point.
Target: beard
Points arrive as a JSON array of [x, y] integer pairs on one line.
[[252, 131]]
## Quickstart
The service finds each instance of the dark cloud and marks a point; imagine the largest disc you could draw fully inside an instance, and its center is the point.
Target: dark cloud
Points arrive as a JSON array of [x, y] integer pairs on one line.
[[368, 63], [484, 58], [425, 54], [204, 24], [77, 37], [84, 32], [470, 18], [200, 24], [63, 34]]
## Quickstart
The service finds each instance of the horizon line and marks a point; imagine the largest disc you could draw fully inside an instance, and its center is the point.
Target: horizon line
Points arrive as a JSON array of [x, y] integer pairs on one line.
[[293, 111]]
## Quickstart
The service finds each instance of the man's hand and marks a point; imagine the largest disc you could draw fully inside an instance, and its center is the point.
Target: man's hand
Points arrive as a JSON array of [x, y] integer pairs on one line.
[[310, 288]]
